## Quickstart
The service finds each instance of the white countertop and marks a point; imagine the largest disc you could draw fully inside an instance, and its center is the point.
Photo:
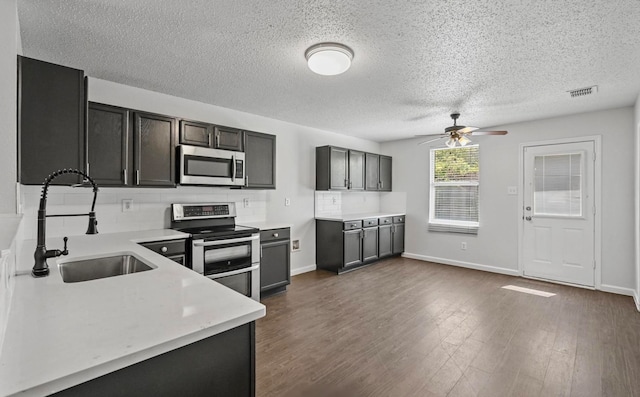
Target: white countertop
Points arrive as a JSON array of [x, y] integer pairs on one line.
[[266, 225], [62, 334], [359, 216]]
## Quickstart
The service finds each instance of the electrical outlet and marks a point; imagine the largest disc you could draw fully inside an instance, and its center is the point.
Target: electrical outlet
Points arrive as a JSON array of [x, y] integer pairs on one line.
[[287, 201], [295, 245], [512, 190], [245, 202], [127, 205], [463, 245]]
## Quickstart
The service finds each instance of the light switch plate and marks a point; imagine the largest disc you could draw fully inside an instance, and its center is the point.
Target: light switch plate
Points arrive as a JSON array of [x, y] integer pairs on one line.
[[127, 205]]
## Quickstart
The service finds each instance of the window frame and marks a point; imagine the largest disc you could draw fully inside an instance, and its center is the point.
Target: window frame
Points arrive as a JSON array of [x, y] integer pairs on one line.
[[451, 225]]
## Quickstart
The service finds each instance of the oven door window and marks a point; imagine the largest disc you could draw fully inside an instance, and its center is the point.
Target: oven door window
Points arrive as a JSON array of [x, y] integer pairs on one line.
[[239, 282], [207, 166], [228, 257]]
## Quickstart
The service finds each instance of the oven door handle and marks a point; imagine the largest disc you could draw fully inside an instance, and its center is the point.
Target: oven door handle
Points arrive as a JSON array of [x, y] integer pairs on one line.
[[227, 241], [233, 272]]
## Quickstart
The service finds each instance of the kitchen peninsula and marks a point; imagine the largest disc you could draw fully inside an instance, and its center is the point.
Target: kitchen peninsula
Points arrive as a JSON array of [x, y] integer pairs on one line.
[[155, 332]]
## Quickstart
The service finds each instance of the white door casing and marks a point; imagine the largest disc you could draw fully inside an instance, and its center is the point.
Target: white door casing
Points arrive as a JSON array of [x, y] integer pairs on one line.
[[558, 228]]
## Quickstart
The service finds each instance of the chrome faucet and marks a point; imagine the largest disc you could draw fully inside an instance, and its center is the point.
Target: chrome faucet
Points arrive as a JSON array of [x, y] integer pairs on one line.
[[41, 269]]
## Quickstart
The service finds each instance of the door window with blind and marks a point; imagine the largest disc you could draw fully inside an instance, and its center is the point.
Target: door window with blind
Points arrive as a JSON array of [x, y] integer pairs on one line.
[[453, 198]]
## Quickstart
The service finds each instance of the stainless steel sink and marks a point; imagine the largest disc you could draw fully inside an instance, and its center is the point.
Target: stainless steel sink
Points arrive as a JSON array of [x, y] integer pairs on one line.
[[110, 266]]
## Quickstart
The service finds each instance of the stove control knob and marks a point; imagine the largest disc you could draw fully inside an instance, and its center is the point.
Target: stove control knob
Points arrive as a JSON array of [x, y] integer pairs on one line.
[[164, 249]]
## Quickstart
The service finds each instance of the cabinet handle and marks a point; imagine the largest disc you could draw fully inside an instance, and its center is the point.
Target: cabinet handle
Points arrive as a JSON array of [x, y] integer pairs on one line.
[[260, 250], [381, 184], [246, 180], [137, 177], [346, 183], [217, 139], [275, 234], [164, 249], [88, 173], [124, 173]]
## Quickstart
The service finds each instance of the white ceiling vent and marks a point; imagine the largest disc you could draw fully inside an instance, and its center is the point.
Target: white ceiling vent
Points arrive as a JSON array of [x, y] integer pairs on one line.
[[583, 91]]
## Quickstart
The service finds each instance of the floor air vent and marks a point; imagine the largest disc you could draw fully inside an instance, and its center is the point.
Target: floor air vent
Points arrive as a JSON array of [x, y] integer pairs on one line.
[[583, 91]]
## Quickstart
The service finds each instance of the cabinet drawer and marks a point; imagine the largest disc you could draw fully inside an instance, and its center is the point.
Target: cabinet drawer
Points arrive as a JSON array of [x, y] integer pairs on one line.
[[167, 248], [274, 234], [398, 219], [370, 222], [385, 221], [352, 225]]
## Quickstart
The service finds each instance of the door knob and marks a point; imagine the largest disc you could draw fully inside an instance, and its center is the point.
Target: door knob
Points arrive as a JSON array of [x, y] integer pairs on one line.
[[528, 218]]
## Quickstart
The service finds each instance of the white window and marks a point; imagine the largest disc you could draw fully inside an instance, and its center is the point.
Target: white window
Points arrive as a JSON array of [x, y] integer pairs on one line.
[[453, 199]]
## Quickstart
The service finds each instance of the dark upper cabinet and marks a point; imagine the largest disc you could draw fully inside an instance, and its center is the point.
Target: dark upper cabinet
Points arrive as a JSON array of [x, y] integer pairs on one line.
[[195, 133], [385, 173], [52, 105], [227, 138], [154, 149], [108, 145], [356, 170], [378, 172], [260, 160], [339, 169], [372, 166]]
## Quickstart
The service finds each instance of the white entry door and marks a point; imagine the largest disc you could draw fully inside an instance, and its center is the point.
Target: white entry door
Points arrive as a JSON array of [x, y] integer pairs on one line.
[[558, 232]]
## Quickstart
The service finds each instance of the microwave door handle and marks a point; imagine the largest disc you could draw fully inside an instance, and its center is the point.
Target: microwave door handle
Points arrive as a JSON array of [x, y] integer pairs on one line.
[[233, 272], [233, 168], [227, 241]]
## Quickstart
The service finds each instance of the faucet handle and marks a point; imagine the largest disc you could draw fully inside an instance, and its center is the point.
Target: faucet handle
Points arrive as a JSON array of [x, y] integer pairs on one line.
[[65, 251]]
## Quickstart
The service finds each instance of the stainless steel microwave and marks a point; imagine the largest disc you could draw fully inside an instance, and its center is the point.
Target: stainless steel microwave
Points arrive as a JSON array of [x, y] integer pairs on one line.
[[205, 166]]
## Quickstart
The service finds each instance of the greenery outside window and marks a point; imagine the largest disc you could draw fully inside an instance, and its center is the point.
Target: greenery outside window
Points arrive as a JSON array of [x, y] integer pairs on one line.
[[453, 198]]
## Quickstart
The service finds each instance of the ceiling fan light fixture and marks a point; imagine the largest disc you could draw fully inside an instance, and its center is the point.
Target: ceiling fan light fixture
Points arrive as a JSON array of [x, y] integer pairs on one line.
[[451, 143], [329, 59], [464, 141]]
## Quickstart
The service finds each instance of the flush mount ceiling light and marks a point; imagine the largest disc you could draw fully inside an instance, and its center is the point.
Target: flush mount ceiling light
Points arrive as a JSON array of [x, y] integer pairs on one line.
[[329, 59]]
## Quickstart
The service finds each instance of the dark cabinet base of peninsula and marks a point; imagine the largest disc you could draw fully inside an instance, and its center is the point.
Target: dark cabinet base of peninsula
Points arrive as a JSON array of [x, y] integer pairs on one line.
[[345, 246], [275, 261], [221, 365]]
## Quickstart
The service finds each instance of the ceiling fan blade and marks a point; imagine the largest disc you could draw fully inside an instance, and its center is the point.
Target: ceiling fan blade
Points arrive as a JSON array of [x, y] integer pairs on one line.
[[423, 135], [467, 130], [489, 133], [432, 140]]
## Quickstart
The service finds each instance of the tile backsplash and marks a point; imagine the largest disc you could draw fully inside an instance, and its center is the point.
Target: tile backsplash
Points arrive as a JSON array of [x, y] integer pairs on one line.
[[338, 203], [150, 209]]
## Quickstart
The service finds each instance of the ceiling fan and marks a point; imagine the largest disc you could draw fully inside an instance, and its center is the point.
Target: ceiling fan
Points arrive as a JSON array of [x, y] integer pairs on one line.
[[459, 134]]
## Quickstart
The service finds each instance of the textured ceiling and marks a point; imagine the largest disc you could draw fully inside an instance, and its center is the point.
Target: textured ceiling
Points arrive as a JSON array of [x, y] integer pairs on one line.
[[496, 61]]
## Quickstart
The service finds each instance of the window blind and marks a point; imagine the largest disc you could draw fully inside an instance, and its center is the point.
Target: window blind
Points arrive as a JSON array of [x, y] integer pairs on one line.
[[453, 201]]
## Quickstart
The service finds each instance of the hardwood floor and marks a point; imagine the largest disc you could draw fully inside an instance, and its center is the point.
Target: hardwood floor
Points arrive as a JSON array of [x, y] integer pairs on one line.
[[409, 328]]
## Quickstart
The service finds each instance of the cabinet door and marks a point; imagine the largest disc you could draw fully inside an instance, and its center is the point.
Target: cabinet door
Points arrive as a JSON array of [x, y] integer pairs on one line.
[[352, 247], [227, 138], [154, 150], [194, 133], [385, 173], [356, 170], [107, 141], [274, 264], [398, 238], [339, 168], [370, 244], [372, 166], [260, 160], [51, 121], [384, 241]]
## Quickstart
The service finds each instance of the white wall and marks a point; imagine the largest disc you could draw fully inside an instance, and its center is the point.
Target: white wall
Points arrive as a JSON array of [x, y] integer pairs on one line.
[[496, 245], [9, 41], [295, 178]]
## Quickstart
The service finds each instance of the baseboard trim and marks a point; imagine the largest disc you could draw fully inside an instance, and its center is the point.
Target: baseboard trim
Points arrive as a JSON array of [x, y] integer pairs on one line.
[[300, 270], [617, 290], [468, 265]]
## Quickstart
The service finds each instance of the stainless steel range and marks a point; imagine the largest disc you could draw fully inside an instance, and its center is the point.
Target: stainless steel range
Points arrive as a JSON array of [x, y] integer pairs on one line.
[[220, 249]]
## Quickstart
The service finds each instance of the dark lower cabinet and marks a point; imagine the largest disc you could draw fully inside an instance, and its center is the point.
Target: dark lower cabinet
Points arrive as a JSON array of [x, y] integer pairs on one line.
[[385, 241], [221, 365], [108, 137], [176, 250], [52, 105], [154, 149], [343, 246], [275, 261], [260, 159]]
